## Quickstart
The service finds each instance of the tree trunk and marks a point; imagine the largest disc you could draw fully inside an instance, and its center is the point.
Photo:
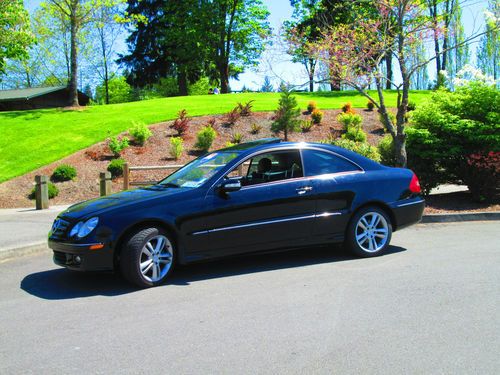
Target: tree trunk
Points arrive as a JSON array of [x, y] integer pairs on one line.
[[388, 66], [400, 150], [224, 78], [105, 63], [182, 82], [310, 70], [433, 12], [335, 85], [73, 82]]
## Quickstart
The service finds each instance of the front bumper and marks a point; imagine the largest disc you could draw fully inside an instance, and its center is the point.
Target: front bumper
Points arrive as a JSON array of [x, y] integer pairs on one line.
[[80, 257]]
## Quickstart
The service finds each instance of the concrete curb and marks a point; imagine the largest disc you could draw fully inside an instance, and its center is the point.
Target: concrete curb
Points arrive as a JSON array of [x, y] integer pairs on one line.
[[450, 218], [40, 247]]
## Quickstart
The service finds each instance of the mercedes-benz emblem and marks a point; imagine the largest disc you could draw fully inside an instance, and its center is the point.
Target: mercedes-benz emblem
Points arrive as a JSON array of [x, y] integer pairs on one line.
[[56, 225]]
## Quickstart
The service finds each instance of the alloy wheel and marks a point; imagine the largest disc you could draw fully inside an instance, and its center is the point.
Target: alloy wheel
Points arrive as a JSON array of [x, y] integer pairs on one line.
[[156, 258], [372, 232]]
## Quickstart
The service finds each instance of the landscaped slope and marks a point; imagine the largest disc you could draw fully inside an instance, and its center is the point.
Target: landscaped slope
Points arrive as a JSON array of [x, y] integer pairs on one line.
[[31, 139]]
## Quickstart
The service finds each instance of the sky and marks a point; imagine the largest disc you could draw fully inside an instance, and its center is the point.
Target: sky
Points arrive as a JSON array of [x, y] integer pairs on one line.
[[278, 66]]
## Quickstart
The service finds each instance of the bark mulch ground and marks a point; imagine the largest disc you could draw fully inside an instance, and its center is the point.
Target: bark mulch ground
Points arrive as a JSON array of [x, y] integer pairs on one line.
[[89, 162]]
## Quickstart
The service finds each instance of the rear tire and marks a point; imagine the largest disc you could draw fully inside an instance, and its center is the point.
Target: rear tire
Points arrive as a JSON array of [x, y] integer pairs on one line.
[[147, 257], [369, 232]]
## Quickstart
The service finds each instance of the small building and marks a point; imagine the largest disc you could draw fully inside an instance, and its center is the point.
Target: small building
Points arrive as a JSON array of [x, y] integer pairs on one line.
[[38, 97]]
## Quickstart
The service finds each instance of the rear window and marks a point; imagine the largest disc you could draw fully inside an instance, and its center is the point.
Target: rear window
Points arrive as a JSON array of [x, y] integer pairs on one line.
[[319, 162]]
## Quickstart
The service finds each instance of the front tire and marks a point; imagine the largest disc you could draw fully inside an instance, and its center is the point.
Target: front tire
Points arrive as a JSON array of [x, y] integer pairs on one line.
[[369, 232], [147, 257]]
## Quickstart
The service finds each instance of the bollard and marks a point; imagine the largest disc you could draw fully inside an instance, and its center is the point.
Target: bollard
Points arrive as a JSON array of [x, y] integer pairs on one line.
[[126, 176], [104, 183], [41, 192]]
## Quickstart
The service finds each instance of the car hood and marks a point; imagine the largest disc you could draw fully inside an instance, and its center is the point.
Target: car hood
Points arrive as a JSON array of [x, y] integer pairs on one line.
[[99, 205]]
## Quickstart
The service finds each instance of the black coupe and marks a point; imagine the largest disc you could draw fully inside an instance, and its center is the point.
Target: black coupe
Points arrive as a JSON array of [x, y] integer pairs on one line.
[[258, 196]]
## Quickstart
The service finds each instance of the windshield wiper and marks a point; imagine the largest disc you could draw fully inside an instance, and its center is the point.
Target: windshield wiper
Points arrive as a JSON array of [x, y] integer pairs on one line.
[[169, 184]]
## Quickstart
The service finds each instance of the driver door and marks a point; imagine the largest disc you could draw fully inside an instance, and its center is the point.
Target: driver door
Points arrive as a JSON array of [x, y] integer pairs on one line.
[[272, 209]]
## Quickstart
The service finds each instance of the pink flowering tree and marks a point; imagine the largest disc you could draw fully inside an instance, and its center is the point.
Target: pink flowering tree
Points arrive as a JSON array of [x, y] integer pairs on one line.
[[354, 52]]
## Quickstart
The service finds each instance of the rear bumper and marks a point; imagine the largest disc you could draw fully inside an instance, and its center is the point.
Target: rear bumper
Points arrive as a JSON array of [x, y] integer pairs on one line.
[[408, 212], [79, 257]]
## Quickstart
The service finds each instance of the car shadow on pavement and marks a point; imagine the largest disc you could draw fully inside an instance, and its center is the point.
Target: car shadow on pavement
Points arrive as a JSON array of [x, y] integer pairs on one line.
[[254, 263], [58, 284]]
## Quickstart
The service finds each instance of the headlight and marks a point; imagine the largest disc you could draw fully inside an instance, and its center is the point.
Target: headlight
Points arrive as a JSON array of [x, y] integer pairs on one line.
[[84, 228]]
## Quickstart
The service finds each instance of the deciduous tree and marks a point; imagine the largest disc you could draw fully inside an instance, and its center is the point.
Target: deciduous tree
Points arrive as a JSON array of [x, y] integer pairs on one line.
[[15, 33], [354, 52], [238, 30]]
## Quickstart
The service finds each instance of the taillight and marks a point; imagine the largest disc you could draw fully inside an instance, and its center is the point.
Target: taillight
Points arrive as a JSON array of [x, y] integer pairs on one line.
[[415, 184]]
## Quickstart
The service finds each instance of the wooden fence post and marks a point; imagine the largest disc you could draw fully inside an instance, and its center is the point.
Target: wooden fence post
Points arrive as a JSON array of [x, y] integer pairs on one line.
[[104, 183], [126, 177], [41, 192]]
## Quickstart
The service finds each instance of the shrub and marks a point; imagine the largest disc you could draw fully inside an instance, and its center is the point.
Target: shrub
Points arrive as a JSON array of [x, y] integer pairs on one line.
[[347, 108], [231, 117], [355, 133], [286, 116], [311, 106], [181, 123], [370, 105], [115, 167], [448, 129], [64, 172], [176, 147], [348, 120], [165, 87], [245, 109], [200, 87], [411, 106], [119, 91], [52, 190], [205, 138], [483, 175], [387, 151], [255, 128], [361, 148], [230, 144], [237, 137], [317, 116], [117, 146], [306, 126], [140, 132]]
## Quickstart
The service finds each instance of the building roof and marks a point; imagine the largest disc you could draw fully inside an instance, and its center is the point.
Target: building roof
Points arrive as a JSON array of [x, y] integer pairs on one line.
[[29, 93]]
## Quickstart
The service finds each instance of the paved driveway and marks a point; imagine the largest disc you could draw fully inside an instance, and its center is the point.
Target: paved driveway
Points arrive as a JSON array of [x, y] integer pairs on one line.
[[430, 306]]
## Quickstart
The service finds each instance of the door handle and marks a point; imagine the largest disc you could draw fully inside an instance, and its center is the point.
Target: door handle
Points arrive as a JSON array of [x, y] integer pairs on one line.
[[303, 189]]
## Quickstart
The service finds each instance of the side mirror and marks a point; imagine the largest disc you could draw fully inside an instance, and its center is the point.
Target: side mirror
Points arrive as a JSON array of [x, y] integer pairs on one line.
[[229, 185]]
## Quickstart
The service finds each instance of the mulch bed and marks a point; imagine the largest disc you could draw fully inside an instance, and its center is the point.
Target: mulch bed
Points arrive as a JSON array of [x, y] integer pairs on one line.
[[95, 159], [459, 202]]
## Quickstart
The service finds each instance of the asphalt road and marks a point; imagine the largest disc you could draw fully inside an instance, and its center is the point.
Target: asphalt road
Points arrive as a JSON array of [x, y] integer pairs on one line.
[[430, 306]]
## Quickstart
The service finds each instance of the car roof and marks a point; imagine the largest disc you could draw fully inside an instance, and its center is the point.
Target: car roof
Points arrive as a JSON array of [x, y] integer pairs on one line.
[[249, 148]]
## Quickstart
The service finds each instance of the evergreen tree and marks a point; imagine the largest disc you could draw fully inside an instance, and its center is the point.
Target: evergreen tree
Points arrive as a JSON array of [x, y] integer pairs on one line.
[[267, 86], [286, 116]]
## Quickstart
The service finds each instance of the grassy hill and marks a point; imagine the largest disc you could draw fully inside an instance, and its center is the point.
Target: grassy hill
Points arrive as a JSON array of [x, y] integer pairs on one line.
[[31, 139]]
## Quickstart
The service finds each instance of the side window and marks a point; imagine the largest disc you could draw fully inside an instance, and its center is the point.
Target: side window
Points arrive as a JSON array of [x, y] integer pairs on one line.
[[240, 171], [269, 167], [319, 162]]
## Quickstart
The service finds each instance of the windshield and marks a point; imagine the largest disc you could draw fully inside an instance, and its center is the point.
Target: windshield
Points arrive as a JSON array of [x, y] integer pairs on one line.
[[199, 170]]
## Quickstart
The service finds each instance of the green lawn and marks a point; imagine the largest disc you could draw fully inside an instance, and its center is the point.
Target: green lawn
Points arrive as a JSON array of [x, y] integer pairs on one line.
[[31, 139]]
